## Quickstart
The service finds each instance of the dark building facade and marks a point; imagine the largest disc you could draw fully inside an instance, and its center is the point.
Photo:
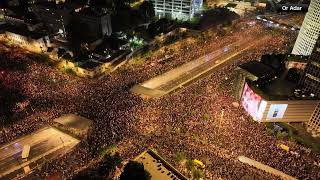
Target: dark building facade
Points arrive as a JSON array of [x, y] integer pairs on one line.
[[94, 23], [311, 83], [55, 17], [311, 79]]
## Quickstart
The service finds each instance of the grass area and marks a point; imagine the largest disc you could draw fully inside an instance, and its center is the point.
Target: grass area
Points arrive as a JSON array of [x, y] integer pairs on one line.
[[180, 156], [192, 167], [109, 150]]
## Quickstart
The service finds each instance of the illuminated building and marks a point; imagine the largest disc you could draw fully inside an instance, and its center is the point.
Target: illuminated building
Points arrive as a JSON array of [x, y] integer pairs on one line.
[[177, 9], [33, 41], [269, 91], [277, 101], [311, 83], [309, 31], [94, 23], [158, 167], [55, 17], [241, 7], [311, 79], [1, 14]]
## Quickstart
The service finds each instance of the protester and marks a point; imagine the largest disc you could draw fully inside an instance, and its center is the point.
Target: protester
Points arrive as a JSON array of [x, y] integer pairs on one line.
[[187, 121]]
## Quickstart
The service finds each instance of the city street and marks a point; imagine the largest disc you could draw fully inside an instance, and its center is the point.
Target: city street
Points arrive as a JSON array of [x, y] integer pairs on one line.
[[186, 73], [44, 142]]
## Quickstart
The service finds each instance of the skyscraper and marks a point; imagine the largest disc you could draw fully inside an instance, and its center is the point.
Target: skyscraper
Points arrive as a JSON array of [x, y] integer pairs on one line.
[[176, 9], [309, 31], [311, 83], [311, 79]]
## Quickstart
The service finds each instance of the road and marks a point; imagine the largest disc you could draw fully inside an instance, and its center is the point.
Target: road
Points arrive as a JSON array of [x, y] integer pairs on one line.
[[188, 72], [47, 142]]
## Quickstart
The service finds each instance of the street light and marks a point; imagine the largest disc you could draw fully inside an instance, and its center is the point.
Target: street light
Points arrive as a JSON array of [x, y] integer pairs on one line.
[[221, 117]]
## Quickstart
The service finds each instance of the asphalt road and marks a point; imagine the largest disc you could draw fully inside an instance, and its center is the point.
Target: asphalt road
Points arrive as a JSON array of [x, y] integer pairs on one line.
[[44, 143], [186, 73]]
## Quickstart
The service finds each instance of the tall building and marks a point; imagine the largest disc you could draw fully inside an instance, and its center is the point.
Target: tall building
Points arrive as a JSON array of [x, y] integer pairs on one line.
[[177, 9], [311, 79], [54, 17], [93, 24], [311, 83], [309, 31]]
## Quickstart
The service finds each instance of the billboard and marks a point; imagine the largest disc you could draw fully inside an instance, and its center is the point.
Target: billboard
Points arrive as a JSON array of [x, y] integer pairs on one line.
[[276, 111], [251, 103]]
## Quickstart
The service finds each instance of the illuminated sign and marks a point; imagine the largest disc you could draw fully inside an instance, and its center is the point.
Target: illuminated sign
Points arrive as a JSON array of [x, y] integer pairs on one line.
[[251, 102], [261, 110], [277, 111]]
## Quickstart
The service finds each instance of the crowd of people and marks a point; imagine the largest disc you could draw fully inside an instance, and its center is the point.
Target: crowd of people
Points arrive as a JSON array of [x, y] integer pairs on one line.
[[184, 122]]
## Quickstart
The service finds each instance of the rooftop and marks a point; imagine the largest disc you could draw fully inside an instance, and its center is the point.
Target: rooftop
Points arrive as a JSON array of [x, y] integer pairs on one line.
[[281, 89], [158, 167], [231, 5], [89, 64], [296, 58], [23, 31], [258, 69], [91, 12]]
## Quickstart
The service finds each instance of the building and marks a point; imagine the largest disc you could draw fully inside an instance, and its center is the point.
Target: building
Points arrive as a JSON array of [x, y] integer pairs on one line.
[[177, 9], [277, 101], [158, 168], [1, 14], [252, 71], [241, 7], [55, 17], [309, 31], [269, 90], [311, 79], [311, 82], [95, 65], [94, 24], [32, 41]]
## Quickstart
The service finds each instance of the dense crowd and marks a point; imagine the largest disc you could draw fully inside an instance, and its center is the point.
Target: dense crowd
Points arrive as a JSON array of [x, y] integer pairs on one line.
[[186, 121]]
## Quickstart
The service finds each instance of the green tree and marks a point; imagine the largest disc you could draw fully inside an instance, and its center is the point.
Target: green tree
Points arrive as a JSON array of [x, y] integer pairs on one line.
[[135, 170], [146, 10]]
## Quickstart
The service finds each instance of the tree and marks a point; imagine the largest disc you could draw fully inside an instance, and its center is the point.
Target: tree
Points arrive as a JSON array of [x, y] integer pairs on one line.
[[135, 170], [146, 10], [103, 3], [3, 4], [79, 2]]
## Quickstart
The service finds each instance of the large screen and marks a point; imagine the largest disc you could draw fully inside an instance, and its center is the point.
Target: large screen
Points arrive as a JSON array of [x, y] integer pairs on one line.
[[251, 102], [277, 111]]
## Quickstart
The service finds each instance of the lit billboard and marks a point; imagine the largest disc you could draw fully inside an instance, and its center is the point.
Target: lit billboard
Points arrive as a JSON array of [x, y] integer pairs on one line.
[[276, 111], [253, 103]]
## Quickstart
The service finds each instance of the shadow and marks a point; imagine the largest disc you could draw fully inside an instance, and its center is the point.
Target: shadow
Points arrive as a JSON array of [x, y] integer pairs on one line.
[[214, 17], [12, 64], [8, 99]]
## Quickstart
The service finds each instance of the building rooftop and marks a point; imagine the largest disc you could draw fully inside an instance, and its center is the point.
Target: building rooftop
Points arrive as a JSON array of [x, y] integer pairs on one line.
[[258, 69], [231, 5], [23, 31], [296, 58], [91, 12], [158, 167], [89, 64], [275, 81], [281, 89]]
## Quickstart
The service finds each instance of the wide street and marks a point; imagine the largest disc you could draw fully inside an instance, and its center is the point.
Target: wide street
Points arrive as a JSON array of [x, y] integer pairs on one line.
[[47, 141], [190, 71]]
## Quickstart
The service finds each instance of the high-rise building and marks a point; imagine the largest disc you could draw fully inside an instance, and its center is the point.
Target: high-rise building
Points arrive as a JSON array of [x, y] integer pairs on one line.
[[93, 23], [311, 83], [176, 9], [311, 79], [309, 31]]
